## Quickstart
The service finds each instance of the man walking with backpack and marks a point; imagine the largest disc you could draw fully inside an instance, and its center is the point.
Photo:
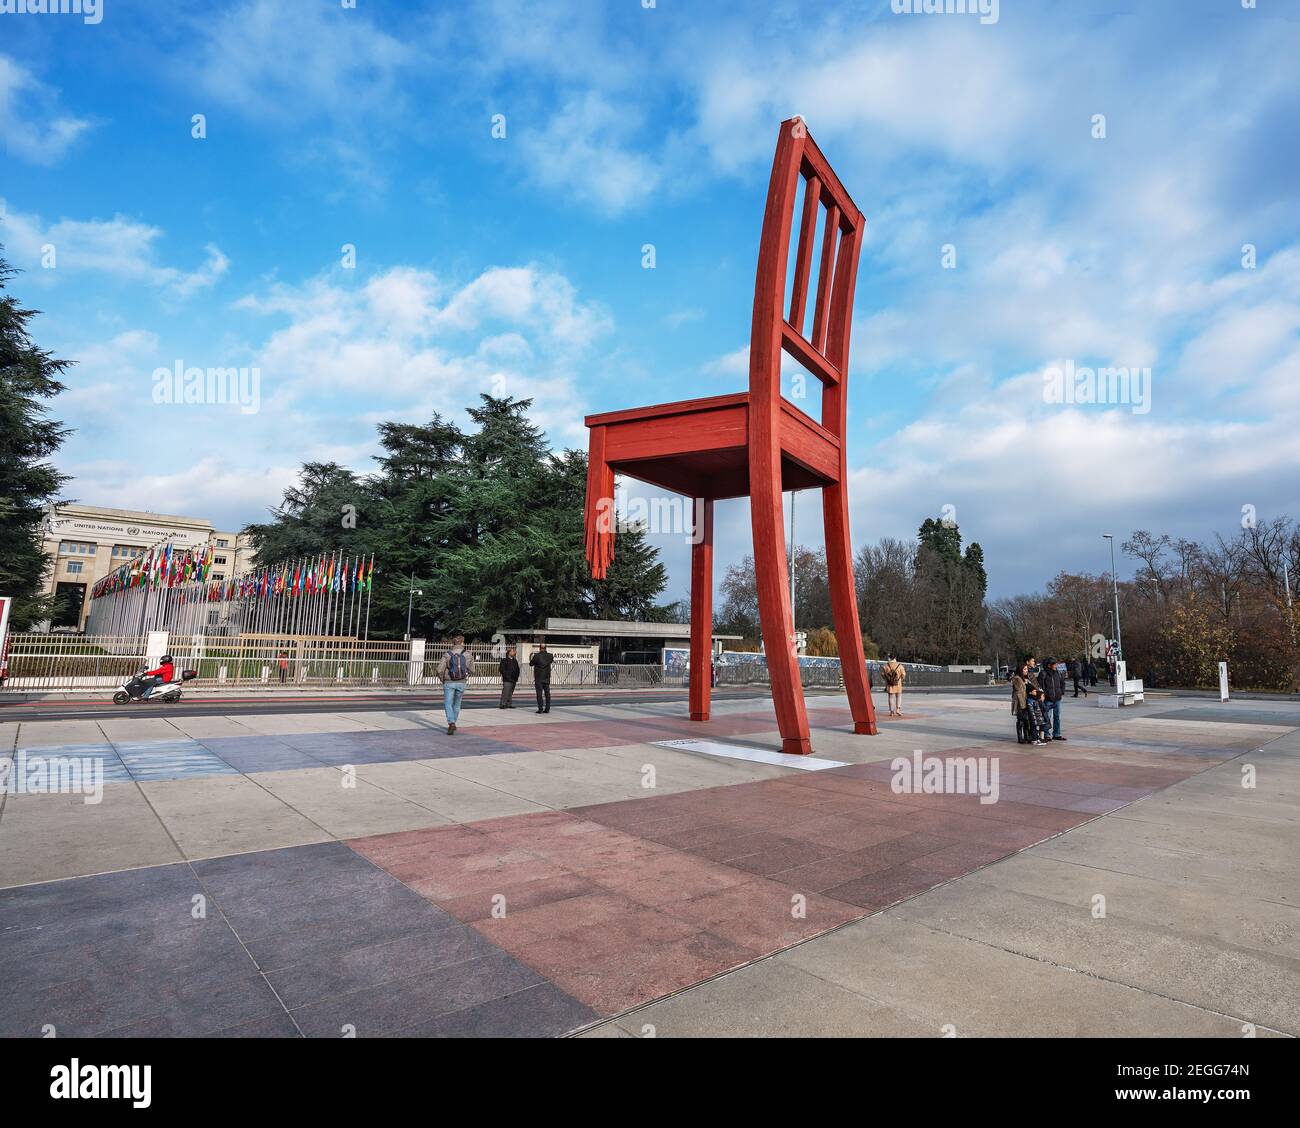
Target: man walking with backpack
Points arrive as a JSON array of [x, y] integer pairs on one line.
[[541, 663], [454, 670]]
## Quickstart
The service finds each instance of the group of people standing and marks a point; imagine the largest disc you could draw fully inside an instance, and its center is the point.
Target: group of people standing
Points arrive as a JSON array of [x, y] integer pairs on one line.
[[1036, 693], [457, 667]]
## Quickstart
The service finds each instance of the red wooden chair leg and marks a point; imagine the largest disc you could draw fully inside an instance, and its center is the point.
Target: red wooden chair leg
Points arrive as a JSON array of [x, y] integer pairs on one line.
[[774, 613], [702, 616], [844, 607]]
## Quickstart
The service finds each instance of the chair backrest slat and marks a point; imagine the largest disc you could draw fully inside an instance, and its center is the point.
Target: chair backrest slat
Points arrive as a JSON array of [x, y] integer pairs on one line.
[[825, 350], [803, 258], [830, 238]]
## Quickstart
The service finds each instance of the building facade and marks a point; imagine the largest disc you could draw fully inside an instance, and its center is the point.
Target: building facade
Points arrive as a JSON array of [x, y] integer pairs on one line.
[[83, 543]]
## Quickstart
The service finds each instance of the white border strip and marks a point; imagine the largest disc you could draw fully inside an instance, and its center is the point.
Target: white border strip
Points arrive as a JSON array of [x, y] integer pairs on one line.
[[756, 755]]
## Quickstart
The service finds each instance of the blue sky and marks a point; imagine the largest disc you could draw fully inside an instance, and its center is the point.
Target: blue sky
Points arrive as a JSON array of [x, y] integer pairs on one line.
[[515, 264]]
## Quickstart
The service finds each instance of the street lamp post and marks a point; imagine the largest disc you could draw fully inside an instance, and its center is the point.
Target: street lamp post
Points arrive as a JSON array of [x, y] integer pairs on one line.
[[1114, 583], [410, 603]]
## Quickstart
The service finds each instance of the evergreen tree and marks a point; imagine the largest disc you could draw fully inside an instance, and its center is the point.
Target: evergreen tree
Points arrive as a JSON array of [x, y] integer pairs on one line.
[[487, 525], [28, 482], [952, 586]]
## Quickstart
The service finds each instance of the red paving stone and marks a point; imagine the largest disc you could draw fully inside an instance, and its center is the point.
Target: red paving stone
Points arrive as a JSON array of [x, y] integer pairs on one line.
[[622, 903]]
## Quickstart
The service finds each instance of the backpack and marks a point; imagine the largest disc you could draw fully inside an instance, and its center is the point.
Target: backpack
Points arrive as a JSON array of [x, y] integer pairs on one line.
[[456, 666], [893, 676]]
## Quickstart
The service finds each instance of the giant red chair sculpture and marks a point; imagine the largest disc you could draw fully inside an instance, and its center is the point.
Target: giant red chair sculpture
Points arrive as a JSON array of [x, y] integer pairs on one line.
[[757, 443]]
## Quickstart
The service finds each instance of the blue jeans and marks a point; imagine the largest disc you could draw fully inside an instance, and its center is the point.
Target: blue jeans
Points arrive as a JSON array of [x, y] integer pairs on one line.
[[452, 693], [1052, 714]]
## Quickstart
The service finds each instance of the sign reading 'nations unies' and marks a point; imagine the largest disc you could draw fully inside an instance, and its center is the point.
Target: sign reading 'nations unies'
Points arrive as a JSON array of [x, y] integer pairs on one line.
[[70, 528]]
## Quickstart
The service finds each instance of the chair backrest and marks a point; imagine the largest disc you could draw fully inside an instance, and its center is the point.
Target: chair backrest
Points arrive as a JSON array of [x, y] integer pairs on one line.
[[827, 207]]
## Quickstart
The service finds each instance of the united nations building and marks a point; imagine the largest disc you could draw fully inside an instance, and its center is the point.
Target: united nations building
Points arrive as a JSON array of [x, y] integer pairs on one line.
[[85, 542]]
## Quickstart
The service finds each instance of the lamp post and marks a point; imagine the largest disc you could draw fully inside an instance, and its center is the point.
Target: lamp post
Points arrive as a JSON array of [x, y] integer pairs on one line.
[[1114, 583], [410, 604], [1286, 579]]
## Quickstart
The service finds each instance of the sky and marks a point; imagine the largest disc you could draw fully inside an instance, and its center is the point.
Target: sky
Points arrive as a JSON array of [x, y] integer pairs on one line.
[[1049, 188]]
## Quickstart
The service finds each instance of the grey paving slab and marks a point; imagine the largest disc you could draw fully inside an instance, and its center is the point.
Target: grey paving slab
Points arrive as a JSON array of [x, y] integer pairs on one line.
[[1234, 714], [227, 815], [369, 965], [344, 805], [541, 1011], [455, 798], [1158, 960], [939, 978], [765, 1000], [1180, 906], [387, 1009], [45, 837], [199, 978]]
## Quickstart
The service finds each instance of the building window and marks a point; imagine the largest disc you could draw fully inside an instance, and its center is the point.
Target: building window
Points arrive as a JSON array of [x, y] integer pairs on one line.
[[218, 560], [223, 544], [76, 548], [126, 551], [74, 567], [218, 575]]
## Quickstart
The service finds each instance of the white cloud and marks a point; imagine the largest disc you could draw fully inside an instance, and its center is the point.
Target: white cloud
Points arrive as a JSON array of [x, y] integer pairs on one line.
[[33, 127], [585, 153], [416, 346], [121, 247], [285, 63], [226, 491]]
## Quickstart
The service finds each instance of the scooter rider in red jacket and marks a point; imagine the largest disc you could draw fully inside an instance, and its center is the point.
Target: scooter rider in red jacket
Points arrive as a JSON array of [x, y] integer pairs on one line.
[[162, 675]]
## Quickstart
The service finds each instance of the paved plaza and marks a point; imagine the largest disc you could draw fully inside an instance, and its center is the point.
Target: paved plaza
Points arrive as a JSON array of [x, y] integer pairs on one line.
[[332, 873]]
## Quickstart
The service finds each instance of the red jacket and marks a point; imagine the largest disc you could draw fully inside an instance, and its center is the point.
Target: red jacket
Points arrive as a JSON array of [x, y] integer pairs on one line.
[[165, 672]]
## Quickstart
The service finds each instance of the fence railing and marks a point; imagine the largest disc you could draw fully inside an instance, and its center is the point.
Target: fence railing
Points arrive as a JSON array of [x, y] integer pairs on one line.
[[42, 663], [57, 661], [46, 662]]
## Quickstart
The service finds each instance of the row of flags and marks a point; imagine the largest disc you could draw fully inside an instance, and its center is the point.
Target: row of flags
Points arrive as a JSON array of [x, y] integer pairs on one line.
[[334, 573], [166, 567]]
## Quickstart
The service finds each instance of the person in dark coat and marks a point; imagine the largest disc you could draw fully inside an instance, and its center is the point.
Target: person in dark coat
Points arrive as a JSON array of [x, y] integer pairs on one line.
[[541, 663], [1052, 684], [509, 678], [1079, 673], [1090, 673]]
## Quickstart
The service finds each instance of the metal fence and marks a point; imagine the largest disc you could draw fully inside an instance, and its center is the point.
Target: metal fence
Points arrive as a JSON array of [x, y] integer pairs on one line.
[[48, 662], [917, 679], [55, 661]]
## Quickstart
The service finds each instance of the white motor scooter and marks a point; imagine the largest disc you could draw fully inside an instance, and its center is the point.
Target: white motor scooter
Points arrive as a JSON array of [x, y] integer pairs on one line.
[[137, 689]]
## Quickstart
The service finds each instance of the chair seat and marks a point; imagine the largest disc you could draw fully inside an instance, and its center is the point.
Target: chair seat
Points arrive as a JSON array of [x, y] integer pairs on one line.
[[703, 445]]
